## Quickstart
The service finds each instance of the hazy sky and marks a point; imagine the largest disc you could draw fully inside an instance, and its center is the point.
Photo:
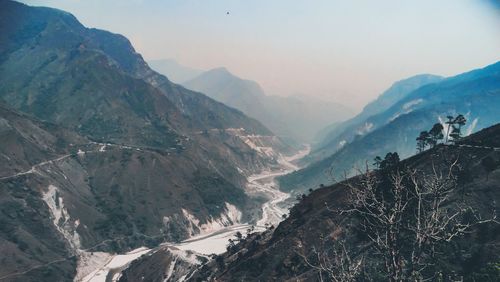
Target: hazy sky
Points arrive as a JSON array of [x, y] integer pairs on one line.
[[348, 51]]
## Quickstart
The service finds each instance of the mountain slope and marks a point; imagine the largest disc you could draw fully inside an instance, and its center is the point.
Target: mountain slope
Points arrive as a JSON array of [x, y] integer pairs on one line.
[[316, 223], [475, 94], [345, 132], [224, 86], [28, 238], [295, 118], [130, 159]]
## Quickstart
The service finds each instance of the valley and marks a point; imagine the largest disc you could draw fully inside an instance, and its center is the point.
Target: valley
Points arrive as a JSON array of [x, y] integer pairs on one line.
[[215, 241], [116, 167]]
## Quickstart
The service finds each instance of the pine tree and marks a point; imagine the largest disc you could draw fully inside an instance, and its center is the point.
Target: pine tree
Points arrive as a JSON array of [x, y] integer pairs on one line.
[[435, 134], [422, 140], [450, 123]]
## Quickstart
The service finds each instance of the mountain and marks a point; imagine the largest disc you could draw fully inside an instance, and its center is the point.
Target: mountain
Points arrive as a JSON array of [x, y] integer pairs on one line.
[[332, 138], [316, 224], [174, 71], [233, 91], [294, 118], [101, 154], [475, 94]]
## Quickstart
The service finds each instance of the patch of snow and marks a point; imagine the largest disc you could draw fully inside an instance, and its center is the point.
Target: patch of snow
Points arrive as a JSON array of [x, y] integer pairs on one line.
[[472, 126], [342, 143], [412, 103], [80, 152], [406, 109], [365, 128]]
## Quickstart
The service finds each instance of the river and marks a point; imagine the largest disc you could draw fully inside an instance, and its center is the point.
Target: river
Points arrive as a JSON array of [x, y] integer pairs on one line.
[[263, 183]]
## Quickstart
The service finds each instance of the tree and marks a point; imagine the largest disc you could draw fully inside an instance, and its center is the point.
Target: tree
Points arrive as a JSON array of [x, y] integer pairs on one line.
[[449, 123], [422, 141], [460, 121], [377, 161], [335, 263], [238, 236], [455, 124], [407, 216], [391, 160], [435, 134], [455, 134]]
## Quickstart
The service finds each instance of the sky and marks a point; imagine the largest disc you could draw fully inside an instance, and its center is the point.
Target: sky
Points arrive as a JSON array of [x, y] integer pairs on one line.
[[344, 51]]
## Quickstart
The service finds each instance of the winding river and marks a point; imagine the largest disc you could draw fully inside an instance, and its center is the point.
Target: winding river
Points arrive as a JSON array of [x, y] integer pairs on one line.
[[263, 183]]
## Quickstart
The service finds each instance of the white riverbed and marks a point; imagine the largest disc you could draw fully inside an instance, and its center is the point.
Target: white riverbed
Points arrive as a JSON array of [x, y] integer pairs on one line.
[[272, 212], [215, 241]]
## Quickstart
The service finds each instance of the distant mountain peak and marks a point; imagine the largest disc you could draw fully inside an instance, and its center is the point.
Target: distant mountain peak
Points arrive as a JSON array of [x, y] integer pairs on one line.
[[221, 70]]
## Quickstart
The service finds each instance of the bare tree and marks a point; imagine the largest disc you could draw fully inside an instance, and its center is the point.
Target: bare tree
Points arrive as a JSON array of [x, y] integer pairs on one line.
[[334, 262], [406, 214]]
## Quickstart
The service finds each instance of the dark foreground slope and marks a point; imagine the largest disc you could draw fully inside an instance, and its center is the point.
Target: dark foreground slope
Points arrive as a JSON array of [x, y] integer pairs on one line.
[[316, 222]]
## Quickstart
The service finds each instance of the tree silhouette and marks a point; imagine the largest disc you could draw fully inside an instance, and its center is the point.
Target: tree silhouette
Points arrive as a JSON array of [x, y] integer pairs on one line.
[[455, 134], [435, 134], [460, 121], [238, 236], [450, 123], [422, 141], [455, 124], [391, 160], [377, 161]]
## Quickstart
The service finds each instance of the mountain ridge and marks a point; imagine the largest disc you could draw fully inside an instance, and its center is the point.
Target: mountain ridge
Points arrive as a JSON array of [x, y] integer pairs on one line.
[[473, 93], [140, 160], [283, 115]]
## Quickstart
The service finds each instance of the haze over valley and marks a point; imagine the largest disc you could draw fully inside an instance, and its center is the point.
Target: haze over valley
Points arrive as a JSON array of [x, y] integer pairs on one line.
[[230, 146]]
